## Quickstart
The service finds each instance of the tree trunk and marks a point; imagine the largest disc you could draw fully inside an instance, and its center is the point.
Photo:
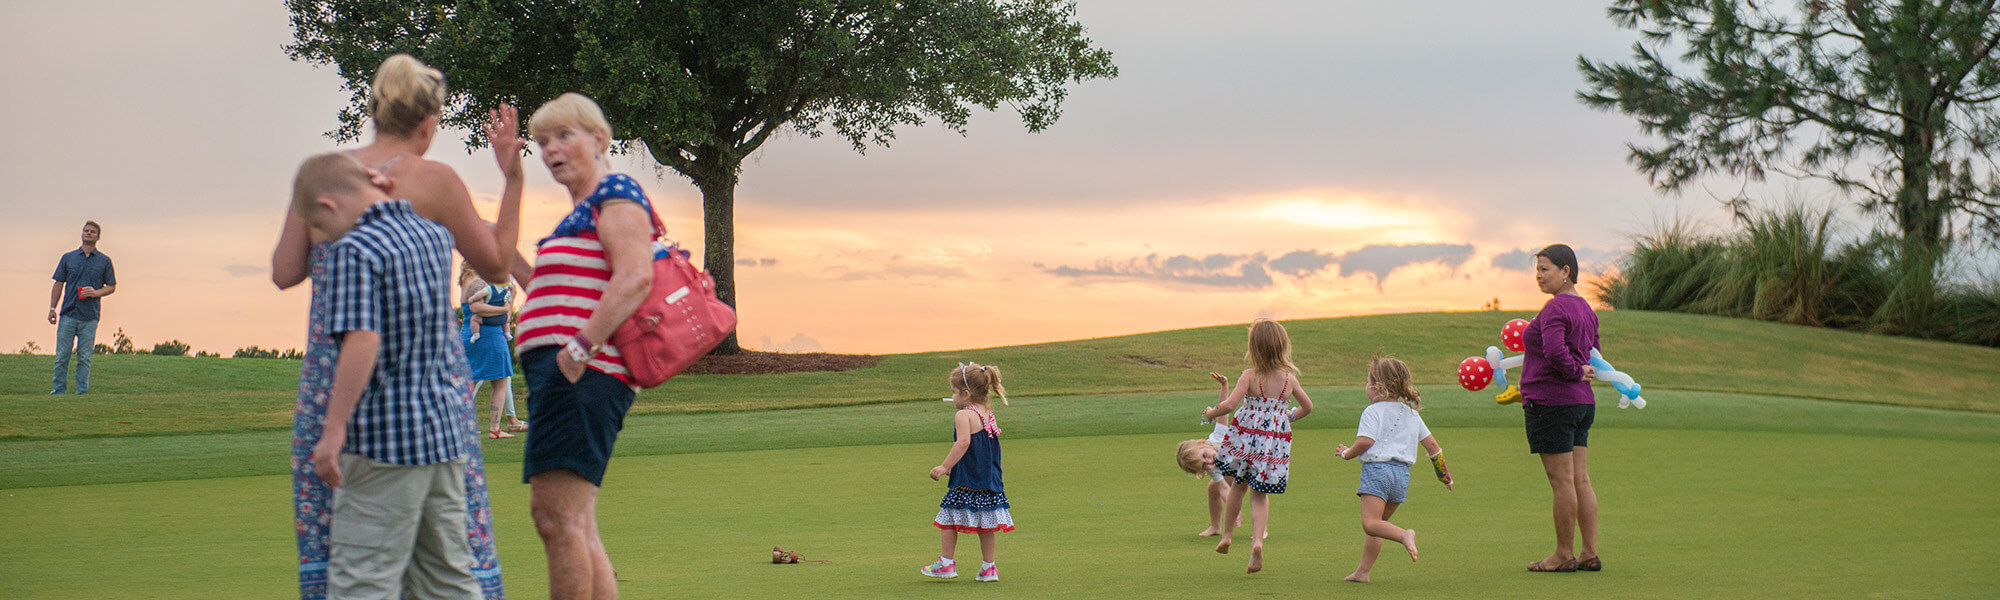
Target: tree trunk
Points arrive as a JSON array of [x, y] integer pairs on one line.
[[718, 210]]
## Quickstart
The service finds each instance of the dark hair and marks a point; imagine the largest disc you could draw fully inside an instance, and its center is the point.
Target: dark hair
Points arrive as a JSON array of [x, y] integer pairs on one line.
[[1562, 256]]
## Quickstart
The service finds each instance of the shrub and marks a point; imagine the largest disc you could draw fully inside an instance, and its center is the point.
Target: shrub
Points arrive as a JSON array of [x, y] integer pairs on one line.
[[171, 348], [1787, 265], [1971, 314], [1668, 270], [121, 343], [255, 352]]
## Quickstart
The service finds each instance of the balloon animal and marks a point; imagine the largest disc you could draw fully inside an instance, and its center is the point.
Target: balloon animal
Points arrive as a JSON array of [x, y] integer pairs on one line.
[[1475, 373]]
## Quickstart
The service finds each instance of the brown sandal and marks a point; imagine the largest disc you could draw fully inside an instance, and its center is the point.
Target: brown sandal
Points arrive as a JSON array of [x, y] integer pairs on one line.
[[1594, 564], [1567, 566]]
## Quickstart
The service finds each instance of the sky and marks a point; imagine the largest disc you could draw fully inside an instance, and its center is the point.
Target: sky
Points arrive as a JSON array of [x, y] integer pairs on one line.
[[1284, 159]]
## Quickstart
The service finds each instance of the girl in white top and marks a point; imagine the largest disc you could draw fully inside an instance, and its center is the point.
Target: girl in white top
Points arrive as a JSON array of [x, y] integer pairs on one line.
[[1202, 457], [1386, 442]]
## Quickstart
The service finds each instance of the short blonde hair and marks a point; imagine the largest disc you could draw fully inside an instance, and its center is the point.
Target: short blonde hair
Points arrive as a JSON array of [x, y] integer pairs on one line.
[[570, 110], [323, 174], [1188, 455], [405, 92]]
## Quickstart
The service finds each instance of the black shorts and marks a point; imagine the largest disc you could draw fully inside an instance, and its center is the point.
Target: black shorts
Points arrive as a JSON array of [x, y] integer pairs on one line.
[[1558, 429], [574, 424]]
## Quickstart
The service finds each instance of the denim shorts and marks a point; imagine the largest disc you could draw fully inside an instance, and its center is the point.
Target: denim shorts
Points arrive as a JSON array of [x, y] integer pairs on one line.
[[1389, 481], [576, 424]]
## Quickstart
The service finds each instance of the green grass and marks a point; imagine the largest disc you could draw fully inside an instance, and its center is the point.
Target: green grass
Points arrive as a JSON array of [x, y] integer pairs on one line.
[[1686, 514], [156, 395], [40, 463], [1773, 461]]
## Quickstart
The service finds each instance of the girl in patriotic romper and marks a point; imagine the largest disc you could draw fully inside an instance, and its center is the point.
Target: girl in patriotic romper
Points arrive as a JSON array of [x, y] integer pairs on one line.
[[976, 501], [1257, 452]]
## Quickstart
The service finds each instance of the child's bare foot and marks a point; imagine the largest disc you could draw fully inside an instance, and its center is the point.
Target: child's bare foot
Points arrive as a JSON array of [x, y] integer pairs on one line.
[[1410, 543], [1358, 577], [1212, 530], [1222, 547], [1256, 557]]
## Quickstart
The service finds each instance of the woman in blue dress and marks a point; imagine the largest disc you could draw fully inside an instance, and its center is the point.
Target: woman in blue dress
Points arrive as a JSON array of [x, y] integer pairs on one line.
[[483, 329]]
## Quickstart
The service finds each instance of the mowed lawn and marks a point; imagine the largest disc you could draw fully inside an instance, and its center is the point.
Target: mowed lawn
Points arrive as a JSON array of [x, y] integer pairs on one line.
[[1773, 461], [1686, 514], [160, 395]]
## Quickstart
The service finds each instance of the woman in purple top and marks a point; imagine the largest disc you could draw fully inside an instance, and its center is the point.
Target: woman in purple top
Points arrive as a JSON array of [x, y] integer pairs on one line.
[[1559, 407]]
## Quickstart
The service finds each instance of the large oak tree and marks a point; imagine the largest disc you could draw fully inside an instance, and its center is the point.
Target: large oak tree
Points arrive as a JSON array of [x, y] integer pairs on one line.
[[700, 84]]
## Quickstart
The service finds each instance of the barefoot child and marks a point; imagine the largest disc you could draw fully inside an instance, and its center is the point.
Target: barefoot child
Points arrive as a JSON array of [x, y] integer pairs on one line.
[[975, 502], [1258, 452], [1386, 443], [1202, 457], [1198, 457]]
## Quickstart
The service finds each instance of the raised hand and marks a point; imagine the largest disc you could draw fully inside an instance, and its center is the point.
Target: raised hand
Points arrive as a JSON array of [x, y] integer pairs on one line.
[[1219, 378], [503, 131]]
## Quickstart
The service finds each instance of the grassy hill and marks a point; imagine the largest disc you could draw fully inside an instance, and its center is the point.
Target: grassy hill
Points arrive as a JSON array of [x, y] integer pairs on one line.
[[1759, 471], [156, 395]]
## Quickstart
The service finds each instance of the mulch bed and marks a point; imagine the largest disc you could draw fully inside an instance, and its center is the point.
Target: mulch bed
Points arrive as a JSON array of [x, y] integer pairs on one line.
[[764, 363]]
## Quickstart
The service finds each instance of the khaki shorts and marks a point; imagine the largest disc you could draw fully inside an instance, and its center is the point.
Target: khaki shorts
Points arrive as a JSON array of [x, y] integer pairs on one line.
[[398, 528]]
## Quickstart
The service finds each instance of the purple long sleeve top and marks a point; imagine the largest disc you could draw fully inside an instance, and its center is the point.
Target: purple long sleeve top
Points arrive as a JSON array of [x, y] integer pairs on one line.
[[1557, 348]]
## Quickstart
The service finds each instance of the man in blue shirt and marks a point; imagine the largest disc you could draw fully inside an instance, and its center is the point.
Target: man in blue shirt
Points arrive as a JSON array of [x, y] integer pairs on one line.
[[82, 277]]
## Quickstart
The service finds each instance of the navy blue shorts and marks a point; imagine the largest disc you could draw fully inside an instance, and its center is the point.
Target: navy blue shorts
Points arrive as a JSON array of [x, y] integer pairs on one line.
[[1558, 429], [575, 424]]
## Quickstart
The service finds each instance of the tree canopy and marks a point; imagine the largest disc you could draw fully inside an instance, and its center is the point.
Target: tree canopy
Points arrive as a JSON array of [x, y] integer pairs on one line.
[[700, 84], [1890, 101]]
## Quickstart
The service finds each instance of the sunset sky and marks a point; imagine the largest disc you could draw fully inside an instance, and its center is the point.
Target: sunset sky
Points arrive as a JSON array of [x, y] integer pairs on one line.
[[1286, 159]]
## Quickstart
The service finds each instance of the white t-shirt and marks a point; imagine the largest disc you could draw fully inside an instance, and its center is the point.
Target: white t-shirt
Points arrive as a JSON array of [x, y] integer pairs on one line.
[[1215, 437], [1396, 430]]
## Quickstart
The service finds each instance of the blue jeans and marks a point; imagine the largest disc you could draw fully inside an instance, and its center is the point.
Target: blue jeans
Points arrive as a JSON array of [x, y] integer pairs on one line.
[[81, 335]]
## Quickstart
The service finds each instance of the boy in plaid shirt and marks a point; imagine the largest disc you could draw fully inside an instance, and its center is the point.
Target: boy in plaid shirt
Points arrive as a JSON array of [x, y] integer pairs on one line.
[[393, 445]]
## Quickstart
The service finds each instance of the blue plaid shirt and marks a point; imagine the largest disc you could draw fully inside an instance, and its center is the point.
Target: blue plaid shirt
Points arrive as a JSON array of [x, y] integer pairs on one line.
[[391, 274]]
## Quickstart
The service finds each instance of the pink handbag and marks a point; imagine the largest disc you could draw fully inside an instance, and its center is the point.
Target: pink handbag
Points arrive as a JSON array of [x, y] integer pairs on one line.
[[680, 320]]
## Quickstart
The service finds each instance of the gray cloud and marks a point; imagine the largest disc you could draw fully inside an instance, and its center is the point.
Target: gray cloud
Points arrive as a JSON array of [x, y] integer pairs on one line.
[[1523, 259], [1254, 270], [1303, 262], [246, 270], [1382, 259], [756, 262], [1518, 260], [1214, 270]]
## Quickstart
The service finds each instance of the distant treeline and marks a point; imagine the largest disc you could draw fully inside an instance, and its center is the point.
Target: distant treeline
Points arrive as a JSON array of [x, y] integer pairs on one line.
[[122, 344]]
